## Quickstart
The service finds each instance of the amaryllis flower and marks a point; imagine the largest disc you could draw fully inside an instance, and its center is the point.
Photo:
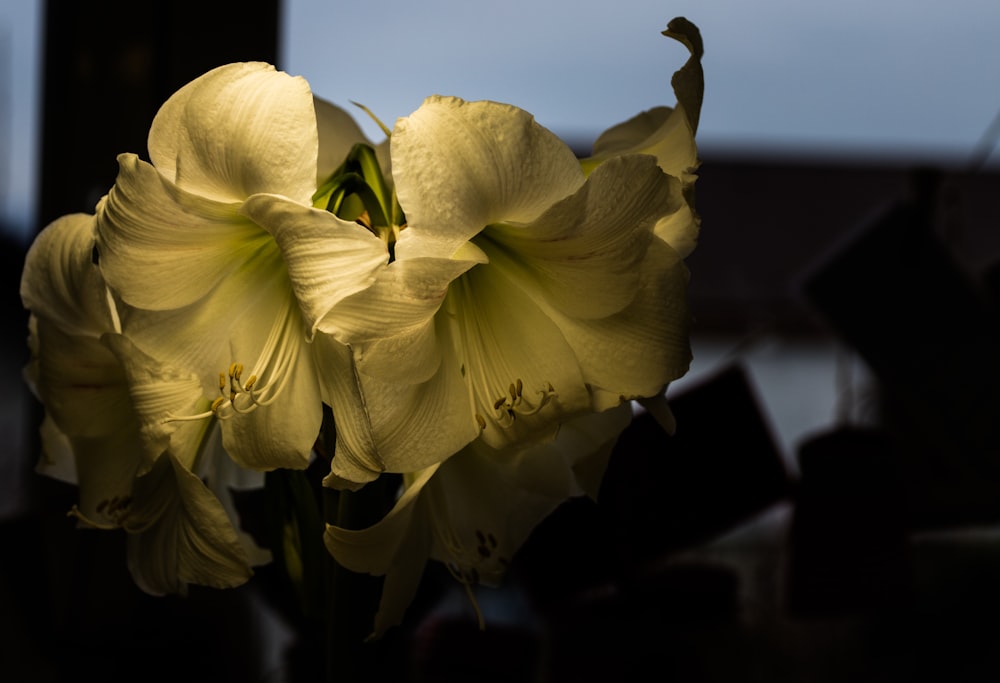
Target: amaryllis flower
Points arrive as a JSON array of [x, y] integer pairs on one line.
[[474, 511], [522, 292], [205, 286], [103, 431]]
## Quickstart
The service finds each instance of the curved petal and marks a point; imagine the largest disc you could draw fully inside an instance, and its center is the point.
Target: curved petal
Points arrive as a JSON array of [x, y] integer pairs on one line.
[[238, 130], [179, 534], [637, 351], [160, 392], [520, 373], [338, 133], [667, 134], [252, 321], [404, 296], [680, 229], [584, 253], [328, 259], [150, 232], [384, 426], [223, 476], [459, 166], [397, 546], [282, 433], [60, 282], [106, 467], [57, 460], [662, 132], [81, 383]]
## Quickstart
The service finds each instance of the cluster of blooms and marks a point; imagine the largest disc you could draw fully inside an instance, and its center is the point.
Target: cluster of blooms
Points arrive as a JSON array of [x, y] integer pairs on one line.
[[475, 304]]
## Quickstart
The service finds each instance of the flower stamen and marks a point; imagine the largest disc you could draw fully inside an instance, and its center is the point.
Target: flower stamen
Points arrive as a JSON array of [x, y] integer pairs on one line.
[[509, 406], [275, 360]]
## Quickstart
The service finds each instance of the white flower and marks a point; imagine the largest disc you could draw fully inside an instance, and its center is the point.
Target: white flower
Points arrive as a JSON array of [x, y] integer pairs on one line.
[[102, 399], [223, 268], [474, 511], [521, 294]]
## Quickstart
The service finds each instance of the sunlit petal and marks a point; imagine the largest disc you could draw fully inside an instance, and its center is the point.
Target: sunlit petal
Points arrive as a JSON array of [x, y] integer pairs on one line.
[[238, 130], [453, 180]]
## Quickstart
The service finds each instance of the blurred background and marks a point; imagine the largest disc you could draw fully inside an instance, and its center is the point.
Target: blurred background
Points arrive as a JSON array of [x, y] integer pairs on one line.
[[843, 291]]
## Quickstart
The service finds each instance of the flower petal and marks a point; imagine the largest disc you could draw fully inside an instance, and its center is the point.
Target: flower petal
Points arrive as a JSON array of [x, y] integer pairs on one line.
[[397, 546], [179, 533], [160, 392], [60, 282], [520, 373], [151, 232], [636, 352], [383, 426], [238, 130], [459, 166], [585, 251], [80, 382], [282, 433], [404, 297], [667, 134], [327, 258]]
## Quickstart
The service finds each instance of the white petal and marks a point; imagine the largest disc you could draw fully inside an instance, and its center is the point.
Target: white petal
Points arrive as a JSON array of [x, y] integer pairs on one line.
[[238, 130], [584, 253], [105, 468], [498, 337], [81, 383], [180, 534], [57, 460], [662, 132], [680, 230], [459, 166], [163, 248], [282, 433], [393, 427], [160, 392], [636, 352], [404, 296], [328, 259], [60, 282], [397, 546]]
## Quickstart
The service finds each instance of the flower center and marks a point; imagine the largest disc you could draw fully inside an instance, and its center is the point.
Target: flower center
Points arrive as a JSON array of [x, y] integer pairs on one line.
[[468, 564], [508, 406], [274, 363], [357, 191]]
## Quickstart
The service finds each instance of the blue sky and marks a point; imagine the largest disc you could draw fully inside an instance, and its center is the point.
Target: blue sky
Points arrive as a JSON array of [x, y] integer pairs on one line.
[[855, 76]]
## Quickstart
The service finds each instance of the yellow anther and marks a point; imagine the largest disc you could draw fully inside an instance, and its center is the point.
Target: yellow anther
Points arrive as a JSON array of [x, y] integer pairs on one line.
[[217, 403], [519, 387], [499, 402], [222, 382], [481, 421], [250, 382]]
